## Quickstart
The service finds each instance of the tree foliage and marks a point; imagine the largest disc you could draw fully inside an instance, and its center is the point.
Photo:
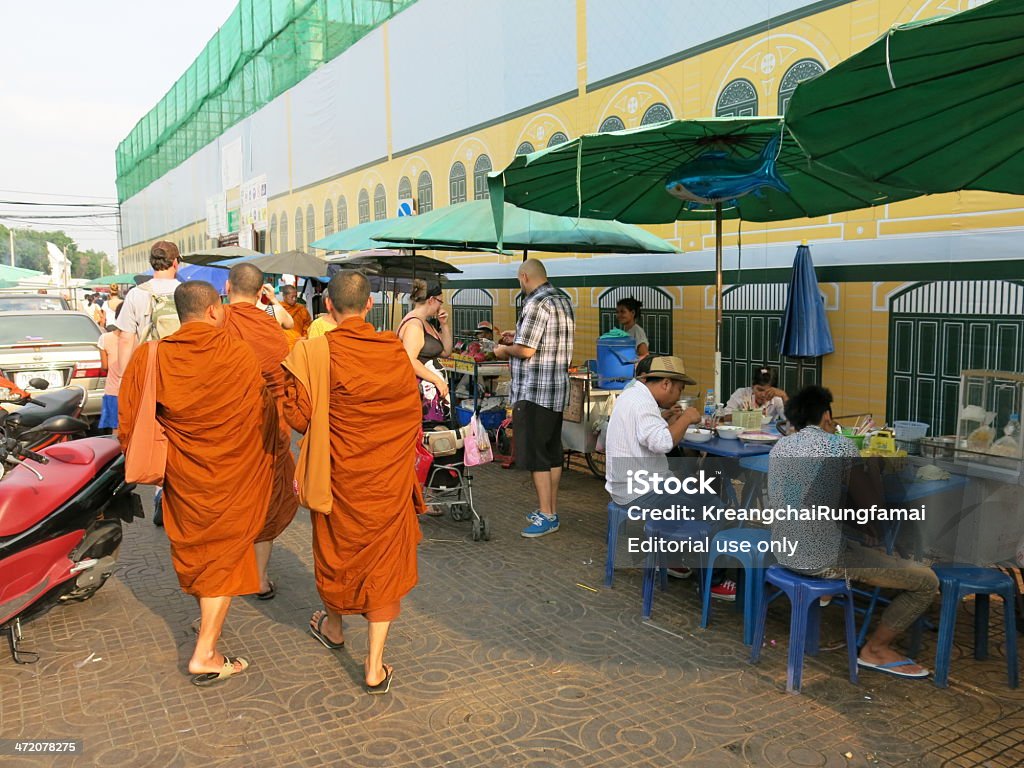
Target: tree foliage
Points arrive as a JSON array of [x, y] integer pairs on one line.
[[30, 252]]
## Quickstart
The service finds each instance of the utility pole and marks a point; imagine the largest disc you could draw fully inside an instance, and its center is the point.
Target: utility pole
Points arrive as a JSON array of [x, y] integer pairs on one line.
[[11, 233]]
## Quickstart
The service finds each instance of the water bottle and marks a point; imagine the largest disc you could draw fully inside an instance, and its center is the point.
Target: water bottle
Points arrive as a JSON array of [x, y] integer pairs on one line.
[[709, 409], [1012, 428]]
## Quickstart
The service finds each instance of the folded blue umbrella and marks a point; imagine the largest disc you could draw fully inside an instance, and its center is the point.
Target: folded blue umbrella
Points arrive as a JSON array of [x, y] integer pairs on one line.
[[805, 331]]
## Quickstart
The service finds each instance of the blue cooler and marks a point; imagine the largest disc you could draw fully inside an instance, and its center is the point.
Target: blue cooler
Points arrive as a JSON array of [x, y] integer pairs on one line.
[[616, 359]]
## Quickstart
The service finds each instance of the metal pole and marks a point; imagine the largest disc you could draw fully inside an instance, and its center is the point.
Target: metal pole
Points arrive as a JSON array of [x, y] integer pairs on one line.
[[718, 303], [11, 233]]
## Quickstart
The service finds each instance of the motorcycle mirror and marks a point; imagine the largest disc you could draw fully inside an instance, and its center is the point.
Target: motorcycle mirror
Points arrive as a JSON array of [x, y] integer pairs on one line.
[[38, 383], [60, 425]]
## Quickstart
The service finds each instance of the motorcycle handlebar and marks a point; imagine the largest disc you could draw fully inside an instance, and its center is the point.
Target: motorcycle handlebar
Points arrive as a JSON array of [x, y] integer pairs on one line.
[[25, 453]]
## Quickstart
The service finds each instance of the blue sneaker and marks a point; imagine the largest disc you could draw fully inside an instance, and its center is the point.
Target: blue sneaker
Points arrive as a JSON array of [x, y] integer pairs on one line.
[[540, 525]]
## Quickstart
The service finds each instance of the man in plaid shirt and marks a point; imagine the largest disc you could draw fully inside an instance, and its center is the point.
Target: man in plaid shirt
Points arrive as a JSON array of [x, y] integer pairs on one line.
[[540, 357]]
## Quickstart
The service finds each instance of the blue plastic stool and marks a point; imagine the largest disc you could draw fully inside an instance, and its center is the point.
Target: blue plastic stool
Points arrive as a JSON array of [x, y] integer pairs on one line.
[[616, 518], [958, 581], [805, 619], [753, 563], [668, 531]]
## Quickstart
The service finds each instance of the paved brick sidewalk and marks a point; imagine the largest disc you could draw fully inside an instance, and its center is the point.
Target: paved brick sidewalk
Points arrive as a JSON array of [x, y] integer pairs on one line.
[[502, 658]]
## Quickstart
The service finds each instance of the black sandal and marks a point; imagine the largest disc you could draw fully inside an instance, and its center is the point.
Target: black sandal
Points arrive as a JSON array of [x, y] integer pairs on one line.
[[384, 685], [318, 633], [268, 595]]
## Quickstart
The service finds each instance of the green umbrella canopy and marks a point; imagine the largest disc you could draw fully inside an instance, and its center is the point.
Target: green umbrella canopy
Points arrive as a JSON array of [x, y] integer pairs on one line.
[[290, 263], [935, 105], [623, 175], [357, 238], [210, 255], [14, 274], [470, 226], [126, 278]]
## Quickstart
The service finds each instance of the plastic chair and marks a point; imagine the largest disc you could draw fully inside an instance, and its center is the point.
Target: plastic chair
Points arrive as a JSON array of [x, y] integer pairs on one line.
[[753, 563], [616, 518], [956, 582], [668, 531], [805, 619]]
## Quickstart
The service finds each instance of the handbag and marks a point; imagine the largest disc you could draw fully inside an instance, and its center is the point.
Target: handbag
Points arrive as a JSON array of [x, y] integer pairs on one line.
[[424, 461], [478, 444], [145, 459]]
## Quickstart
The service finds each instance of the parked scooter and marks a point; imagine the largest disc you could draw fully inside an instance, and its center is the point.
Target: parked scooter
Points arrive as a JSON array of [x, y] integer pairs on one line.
[[31, 416], [61, 512]]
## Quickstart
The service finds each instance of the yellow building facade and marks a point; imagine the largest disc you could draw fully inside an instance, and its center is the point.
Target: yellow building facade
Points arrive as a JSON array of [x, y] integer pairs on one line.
[[883, 256]]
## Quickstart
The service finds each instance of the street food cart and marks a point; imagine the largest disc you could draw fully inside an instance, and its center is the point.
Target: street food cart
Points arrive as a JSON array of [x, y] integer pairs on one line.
[[588, 406]]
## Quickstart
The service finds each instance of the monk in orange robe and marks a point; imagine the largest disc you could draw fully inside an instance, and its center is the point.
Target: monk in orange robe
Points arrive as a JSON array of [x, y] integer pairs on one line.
[[298, 312], [253, 326], [353, 394], [221, 426]]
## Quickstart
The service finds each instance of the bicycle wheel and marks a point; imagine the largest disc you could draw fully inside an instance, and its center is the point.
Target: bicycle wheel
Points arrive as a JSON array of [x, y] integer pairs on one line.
[[596, 463]]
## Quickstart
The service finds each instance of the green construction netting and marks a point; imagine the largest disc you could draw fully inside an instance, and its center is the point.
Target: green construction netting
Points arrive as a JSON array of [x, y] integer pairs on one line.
[[263, 49]]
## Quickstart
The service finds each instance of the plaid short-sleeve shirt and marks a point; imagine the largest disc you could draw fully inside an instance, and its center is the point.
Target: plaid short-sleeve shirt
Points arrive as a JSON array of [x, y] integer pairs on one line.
[[547, 325]]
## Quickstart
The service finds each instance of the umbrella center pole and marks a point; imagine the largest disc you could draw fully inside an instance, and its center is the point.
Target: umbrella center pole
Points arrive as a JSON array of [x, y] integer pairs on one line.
[[718, 303]]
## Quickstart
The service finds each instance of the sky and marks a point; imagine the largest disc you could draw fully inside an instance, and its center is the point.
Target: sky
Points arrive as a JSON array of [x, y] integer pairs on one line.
[[77, 77]]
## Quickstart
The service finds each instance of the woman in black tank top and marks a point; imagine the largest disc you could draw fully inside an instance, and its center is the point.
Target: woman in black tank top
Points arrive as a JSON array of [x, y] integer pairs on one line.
[[423, 343]]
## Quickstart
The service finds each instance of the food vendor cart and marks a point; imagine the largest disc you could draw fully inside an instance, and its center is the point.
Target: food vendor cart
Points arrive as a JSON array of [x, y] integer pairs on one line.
[[588, 406]]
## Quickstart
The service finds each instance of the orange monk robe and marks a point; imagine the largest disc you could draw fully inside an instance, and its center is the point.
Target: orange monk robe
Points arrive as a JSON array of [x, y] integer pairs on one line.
[[302, 322], [221, 426], [263, 336], [364, 550]]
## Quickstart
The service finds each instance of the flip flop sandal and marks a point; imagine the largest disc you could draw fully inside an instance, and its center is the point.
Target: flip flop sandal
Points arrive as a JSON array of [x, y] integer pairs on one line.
[[228, 670], [384, 685], [892, 668], [318, 633], [268, 595]]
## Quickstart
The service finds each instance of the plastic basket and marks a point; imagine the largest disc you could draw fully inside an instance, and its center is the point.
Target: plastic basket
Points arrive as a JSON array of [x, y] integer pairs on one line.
[[489, 419], [908, 435]]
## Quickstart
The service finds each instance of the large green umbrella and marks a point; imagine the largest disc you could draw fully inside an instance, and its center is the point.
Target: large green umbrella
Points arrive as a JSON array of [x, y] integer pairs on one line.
[[747, 168], [125, 278], [470, 226], [935, 105], [14, 274], [357, 238], [290, 263], [210, 255]]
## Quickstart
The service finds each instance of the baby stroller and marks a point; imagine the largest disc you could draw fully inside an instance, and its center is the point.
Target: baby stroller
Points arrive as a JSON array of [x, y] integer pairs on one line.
[[450, 482]]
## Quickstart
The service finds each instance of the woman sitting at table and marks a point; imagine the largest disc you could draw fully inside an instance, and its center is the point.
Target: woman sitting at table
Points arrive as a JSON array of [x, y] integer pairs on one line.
[[807, 470], [627, 313], [762, 394]]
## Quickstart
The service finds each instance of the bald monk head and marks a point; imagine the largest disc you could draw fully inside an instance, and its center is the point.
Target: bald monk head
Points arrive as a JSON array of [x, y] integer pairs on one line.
[[198, 302], [290, 294], [532, 275], [244, 282], [348, 294]]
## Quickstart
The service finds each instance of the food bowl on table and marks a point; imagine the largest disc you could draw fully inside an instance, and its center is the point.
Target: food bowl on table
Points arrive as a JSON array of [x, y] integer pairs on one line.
[[696, 435], [730, 432], [751, 436]]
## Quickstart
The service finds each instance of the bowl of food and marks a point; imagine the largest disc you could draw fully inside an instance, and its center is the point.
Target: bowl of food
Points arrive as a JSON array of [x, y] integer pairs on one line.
[[759, 437], [697, 435], [729, 432]]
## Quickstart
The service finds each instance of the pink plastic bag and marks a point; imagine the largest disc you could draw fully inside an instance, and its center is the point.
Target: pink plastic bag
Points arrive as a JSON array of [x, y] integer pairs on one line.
[[478, 444]]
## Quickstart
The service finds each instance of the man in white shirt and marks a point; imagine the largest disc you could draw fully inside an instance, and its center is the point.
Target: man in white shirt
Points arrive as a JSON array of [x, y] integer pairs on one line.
[[133, 322]]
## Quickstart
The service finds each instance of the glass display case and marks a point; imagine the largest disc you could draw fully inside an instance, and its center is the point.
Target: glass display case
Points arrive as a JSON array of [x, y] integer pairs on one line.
[[989, 418]]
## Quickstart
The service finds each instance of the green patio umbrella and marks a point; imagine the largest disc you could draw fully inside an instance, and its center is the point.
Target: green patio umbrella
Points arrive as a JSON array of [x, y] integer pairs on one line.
[[207, 256], [748, 168], [290, 263], [934, 105], [14, 274], [125, 278], [471, 226], [357, 238]]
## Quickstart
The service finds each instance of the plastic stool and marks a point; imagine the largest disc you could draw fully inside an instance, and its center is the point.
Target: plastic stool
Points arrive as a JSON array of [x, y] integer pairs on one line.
[[669, 531], [616, 518], [958, 581], [805, 619], [753, 563]]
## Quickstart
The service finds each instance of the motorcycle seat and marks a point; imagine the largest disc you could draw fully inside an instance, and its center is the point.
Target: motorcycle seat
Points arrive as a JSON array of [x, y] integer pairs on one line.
[[60, 402], [24, 500]]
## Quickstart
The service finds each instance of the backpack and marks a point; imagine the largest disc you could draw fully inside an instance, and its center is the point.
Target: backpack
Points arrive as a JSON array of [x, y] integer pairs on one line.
[[162, 318]]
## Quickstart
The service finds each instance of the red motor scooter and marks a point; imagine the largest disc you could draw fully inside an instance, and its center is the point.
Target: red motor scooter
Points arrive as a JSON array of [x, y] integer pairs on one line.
[[61, 512]]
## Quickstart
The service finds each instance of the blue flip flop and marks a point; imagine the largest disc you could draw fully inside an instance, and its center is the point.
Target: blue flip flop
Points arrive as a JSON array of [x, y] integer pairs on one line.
[[892, 668]]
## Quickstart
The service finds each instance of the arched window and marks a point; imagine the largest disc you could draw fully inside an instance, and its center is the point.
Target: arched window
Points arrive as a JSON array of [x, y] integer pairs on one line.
[[191, 243], [273, 234], [655, 314], [425, 193], [310, 224], [656, 113], [380, 203], [342, 214], [738, 99], [328, 217], [481, 168], [457, 183], [557, 138], [284, 232], [299, 230], [612, 123], [364, 206], [470, 306], [405, 189], [525, 148], [804, 69]]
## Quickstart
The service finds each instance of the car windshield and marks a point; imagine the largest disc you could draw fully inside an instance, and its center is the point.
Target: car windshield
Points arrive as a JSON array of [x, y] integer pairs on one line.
[[30, 303], [64, 327]]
